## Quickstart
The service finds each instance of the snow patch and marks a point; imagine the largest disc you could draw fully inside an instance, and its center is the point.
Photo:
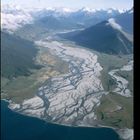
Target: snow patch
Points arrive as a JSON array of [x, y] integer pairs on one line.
[[128, 67], [12, 19], [115, 25]]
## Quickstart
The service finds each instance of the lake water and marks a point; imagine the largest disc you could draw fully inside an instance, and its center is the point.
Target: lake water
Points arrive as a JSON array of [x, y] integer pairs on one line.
[[19, 127]]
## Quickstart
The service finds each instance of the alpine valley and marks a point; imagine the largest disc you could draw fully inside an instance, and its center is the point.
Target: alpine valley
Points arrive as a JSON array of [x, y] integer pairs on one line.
[[69, 67]]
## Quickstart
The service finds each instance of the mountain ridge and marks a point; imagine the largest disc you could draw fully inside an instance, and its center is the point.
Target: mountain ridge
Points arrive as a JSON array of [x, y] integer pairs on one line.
[[15, 17], [108, 36]]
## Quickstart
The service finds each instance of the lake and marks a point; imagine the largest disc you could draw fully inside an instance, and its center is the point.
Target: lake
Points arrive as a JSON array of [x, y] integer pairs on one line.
[[15, 126]]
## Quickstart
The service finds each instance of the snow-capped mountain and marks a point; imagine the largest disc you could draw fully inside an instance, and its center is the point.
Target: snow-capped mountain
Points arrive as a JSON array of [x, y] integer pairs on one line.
[[49, 11], [13, 16], [112, 36], [126, 21], [89, 17]]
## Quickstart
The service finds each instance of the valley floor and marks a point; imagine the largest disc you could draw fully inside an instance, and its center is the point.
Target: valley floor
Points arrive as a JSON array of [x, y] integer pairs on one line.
[[71, 92]]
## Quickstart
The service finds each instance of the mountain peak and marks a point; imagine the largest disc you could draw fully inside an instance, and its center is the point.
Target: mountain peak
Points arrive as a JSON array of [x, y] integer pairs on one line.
[[87, 9], [131, 10]]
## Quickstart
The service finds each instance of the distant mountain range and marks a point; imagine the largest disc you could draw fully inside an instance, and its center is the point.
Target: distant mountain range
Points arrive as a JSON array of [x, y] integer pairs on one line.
[[111, 32], [112, 36], [14, 17]]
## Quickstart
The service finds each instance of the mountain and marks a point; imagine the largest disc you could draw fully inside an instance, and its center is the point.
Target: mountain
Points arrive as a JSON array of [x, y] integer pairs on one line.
[[89, 17], [17, 56], [108, 36], [14, 18], [126, 21], [84, 17], [56, 20]]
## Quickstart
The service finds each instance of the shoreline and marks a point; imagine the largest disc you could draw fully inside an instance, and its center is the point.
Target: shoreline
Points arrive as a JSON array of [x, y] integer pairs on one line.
[[88, 126], [116, 130]]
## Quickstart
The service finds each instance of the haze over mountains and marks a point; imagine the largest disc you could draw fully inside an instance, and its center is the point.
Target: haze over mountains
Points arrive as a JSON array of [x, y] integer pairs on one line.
[[13, 17], [112, 36]]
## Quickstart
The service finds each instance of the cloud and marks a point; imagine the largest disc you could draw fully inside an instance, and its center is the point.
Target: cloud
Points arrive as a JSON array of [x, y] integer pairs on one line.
[[115, 25], [14, 18]]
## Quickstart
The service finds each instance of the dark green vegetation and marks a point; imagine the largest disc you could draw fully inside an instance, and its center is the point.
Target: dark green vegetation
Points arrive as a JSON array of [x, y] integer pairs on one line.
[[17, 56], [116, 111], [102, 38], [19, 89], [25, 87]]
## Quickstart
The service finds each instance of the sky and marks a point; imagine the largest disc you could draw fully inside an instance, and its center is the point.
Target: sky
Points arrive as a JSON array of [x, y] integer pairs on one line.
[[97, 4]]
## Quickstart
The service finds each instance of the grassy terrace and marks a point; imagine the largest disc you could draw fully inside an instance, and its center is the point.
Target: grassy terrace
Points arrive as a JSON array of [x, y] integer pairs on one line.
[[25, 87], [116, 111]]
